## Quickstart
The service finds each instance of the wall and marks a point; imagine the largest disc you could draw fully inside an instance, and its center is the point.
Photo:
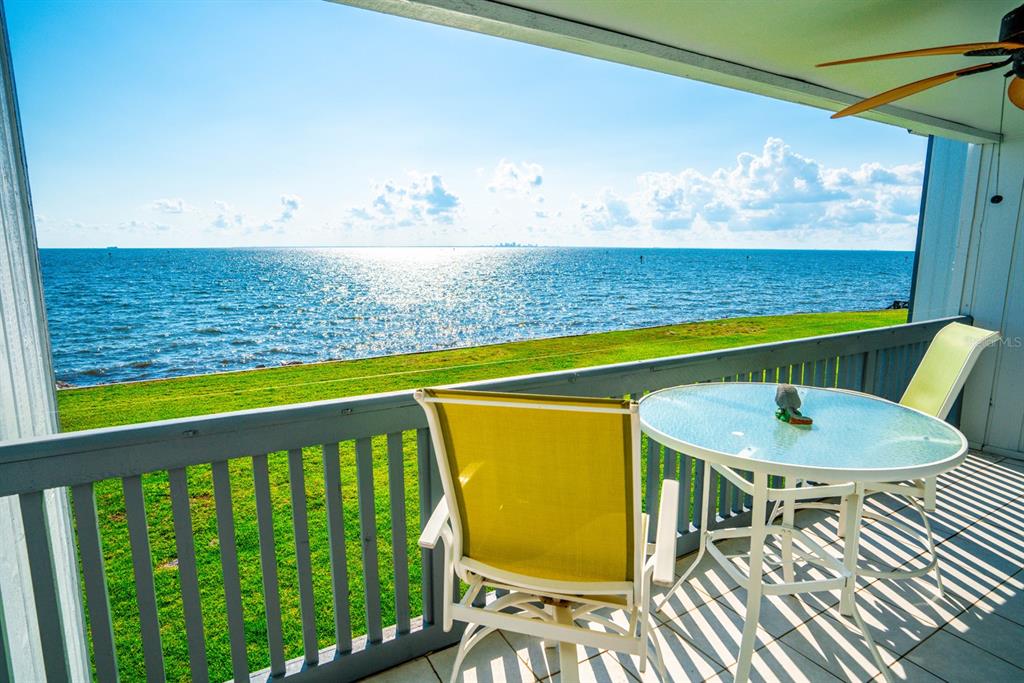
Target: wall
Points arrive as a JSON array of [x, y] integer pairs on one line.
[[971, 261]]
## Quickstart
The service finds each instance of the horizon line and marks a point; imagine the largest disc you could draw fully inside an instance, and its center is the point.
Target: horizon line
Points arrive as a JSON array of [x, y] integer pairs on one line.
[[479, 246]]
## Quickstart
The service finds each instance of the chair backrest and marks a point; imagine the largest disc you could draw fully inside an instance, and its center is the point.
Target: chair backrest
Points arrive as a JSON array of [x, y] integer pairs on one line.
[[945, 367], [542, 486]]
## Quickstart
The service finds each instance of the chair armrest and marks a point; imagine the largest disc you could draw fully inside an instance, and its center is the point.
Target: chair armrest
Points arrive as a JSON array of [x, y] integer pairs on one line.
[[435, 526], [665, 539]]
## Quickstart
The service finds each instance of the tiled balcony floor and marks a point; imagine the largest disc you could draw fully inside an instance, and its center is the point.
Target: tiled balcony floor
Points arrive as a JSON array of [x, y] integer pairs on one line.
[[975, 633]]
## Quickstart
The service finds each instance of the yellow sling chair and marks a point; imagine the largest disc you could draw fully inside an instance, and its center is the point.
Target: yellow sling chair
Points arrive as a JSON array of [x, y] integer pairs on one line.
[[542, 499], [933, 390]]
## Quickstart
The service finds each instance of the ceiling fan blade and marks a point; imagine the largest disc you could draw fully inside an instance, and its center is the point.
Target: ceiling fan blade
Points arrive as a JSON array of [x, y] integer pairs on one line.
[[929, 51], [913, 88], [1016, 92]]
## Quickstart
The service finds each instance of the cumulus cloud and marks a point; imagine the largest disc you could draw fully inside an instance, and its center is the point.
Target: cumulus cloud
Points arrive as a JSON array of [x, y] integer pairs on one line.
[[609, 211], [516, 179], [142, 226], [227, 216], [290, 204], [776, 189], [176, 205], [422, 200]]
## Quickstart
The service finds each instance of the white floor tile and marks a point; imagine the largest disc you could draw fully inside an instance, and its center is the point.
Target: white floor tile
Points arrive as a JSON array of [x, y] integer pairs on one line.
[[954, 659], [991, 633], [837, 646], [491, 661], [683, 661], [716, 630]]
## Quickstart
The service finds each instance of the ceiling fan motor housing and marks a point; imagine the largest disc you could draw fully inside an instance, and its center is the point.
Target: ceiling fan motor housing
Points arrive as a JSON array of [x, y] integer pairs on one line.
[[1012, 27]]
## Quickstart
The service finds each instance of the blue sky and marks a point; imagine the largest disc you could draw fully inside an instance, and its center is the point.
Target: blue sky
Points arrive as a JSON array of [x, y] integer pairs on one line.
[[302, 123]]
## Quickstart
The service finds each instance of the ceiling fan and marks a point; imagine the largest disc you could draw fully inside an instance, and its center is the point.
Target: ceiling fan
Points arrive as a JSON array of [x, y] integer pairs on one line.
[[1010, 45]]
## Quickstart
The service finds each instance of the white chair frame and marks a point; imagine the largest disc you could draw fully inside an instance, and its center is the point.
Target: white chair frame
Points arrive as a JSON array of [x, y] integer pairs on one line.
[[549, 609]]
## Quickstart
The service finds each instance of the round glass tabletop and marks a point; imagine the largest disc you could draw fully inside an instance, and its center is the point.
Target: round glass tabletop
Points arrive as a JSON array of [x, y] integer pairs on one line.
[[854, 436]]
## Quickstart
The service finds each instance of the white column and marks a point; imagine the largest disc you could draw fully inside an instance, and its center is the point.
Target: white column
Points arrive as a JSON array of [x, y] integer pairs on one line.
[[28, 406]]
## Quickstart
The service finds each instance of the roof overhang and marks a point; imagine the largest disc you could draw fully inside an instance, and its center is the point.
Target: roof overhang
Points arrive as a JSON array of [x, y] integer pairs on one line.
[[712, 42]]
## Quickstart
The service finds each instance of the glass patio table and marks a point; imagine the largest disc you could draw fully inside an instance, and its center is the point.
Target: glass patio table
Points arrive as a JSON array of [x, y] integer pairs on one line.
[[855, 440]]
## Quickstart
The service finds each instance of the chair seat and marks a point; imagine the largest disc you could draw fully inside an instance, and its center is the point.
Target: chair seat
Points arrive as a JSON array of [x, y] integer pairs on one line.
[[611, 593]]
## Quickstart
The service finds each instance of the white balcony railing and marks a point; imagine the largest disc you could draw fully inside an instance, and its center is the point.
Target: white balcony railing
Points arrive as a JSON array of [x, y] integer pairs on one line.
[[339, 436]]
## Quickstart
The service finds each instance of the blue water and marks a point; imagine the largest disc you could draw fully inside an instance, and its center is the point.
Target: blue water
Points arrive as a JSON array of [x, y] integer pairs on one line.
[[129, 314]]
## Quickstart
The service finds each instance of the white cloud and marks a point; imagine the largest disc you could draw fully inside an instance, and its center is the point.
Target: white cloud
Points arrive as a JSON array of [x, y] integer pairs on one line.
[[290, 204], [176, 205], [516, 179], [609, 211], [143, 226], [775, 190], [227, 216], [422, 200]]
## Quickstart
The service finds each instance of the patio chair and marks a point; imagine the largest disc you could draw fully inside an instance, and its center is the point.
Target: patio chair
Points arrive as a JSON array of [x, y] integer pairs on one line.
[[933, 389], [542, 504]]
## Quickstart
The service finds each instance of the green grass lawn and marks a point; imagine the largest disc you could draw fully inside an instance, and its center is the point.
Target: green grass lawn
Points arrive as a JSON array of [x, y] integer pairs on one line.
[[109, 405]]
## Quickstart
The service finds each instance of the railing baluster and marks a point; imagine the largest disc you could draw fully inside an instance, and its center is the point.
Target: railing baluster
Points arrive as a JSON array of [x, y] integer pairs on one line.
[[867, 381], [670, 464], [142, 562], [303, 562], [368, 537], [268, 563], [93, 574], [685, 481], [184, 544], [884, 378], [724, 490], [399, 538], [830, 372], [339, 556], [820, 373], [904, 376], [424, 466], [651, 494], [699, 504], [851, 372], [44, 585], [229, 568], [737, 500]]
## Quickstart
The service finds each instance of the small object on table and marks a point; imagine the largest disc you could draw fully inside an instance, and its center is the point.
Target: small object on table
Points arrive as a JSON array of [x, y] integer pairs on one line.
[[788, 400]]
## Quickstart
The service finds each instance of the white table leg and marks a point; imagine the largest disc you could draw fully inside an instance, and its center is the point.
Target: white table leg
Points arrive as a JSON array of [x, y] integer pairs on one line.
[[852, 505], [701, 543], [754, 580], [788, 523]]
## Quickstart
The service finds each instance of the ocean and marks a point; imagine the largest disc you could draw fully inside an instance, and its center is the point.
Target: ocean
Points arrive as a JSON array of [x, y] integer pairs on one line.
[[120, 315]]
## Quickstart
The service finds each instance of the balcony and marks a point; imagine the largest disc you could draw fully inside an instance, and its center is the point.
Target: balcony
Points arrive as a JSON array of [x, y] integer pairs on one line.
[[292, 484], [973, 633]]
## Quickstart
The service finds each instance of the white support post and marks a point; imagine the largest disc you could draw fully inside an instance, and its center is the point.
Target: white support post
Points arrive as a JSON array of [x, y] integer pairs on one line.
[[28, 407]]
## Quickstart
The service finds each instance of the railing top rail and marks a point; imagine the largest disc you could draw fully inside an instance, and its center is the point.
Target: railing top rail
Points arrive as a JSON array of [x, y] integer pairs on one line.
[[144, 447]]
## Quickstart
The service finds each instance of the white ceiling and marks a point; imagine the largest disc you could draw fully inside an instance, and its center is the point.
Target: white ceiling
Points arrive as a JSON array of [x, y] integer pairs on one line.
[[769, 47], [790, 36]]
